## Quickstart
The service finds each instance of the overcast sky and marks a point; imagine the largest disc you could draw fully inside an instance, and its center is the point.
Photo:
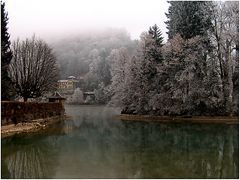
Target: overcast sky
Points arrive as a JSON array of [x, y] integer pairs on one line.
[[51, 18]]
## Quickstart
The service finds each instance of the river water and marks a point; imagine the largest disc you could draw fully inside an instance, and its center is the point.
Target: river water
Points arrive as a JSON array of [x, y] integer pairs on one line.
[[93, 144]]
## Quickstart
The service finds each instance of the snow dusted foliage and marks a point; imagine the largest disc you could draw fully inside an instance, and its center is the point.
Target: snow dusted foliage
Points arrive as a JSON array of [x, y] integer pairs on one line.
[[101, 94], [147, 71], [189, 86], [188, 18], [199, 76], [226, 41], [156, 44], [119, 59], [184, 82], [95, 60], [91, 78], [99, 77], [133, 79], [194, 73], [77, 97]]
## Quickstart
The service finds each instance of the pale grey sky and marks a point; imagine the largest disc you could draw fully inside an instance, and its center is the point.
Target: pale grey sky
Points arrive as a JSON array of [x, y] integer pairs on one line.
[[50, 18]]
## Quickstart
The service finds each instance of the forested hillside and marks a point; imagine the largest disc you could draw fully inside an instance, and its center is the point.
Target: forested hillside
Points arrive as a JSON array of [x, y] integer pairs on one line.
[[87, 56], [75, 53]]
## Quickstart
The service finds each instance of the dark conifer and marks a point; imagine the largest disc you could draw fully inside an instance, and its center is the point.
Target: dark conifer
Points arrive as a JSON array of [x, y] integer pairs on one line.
[[188, 18], [6, 56], [156, 34], [155, 48]]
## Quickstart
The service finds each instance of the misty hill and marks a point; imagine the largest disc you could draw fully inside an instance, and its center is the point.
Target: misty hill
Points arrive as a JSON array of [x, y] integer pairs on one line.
[[75, 53]]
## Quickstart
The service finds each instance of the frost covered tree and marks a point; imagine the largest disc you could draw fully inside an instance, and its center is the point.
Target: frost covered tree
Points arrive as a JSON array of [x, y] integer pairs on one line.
[[189, 85], [119, 60], [103, 68], [91, 78], [146, 76], [226, 42], [141, 77], [77, 97], [128, 97], [194, 73], [99, 76], [184, 83], [101, 94], [134, 79], [100, 67], [33, 68], [188, 18], [155, 50]]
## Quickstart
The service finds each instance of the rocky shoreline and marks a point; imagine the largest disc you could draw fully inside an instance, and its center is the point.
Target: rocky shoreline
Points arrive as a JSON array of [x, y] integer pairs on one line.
[[29, 127], [181, 119]]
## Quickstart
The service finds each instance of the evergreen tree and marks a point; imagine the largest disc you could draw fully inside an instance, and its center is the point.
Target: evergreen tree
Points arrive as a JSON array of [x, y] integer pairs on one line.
[[142, 77], [155, 46], [188, 18], [156, 34], [6, 56], [172, 16]]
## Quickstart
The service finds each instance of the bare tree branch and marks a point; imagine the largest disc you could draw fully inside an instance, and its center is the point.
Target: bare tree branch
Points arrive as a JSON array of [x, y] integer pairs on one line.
[[33, 68]]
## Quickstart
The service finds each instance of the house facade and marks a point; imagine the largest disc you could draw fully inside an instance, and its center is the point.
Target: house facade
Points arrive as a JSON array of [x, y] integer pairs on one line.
[[68, 85]]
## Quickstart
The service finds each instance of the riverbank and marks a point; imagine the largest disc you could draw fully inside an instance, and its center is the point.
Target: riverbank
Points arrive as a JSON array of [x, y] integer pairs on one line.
[[29, 127], [181, 119]]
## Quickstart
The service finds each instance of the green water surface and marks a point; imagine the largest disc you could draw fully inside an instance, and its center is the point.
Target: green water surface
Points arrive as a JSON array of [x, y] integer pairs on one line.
[[95, 145]]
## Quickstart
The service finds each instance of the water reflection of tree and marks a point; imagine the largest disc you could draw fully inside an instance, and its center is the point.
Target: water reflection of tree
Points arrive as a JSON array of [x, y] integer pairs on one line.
[[94, 142], [30, 158], [229, 163], [176, 151], [142, 150], [101, 148]]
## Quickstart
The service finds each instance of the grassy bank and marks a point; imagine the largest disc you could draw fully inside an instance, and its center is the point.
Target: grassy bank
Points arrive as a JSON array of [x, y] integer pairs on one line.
[[181, 119]]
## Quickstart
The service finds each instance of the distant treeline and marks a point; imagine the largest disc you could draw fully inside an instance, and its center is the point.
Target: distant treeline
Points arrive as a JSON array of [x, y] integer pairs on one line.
[[88, 56]]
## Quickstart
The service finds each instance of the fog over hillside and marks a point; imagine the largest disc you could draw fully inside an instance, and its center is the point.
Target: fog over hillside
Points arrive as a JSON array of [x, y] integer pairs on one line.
[[56, 18], [76, 52]]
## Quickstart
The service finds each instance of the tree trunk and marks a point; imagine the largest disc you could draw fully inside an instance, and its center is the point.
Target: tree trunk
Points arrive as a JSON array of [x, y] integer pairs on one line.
[[228, 92], [25, 99]]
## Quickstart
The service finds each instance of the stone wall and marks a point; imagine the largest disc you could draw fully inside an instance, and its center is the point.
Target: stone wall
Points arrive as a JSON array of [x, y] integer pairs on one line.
[[14, 112]]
